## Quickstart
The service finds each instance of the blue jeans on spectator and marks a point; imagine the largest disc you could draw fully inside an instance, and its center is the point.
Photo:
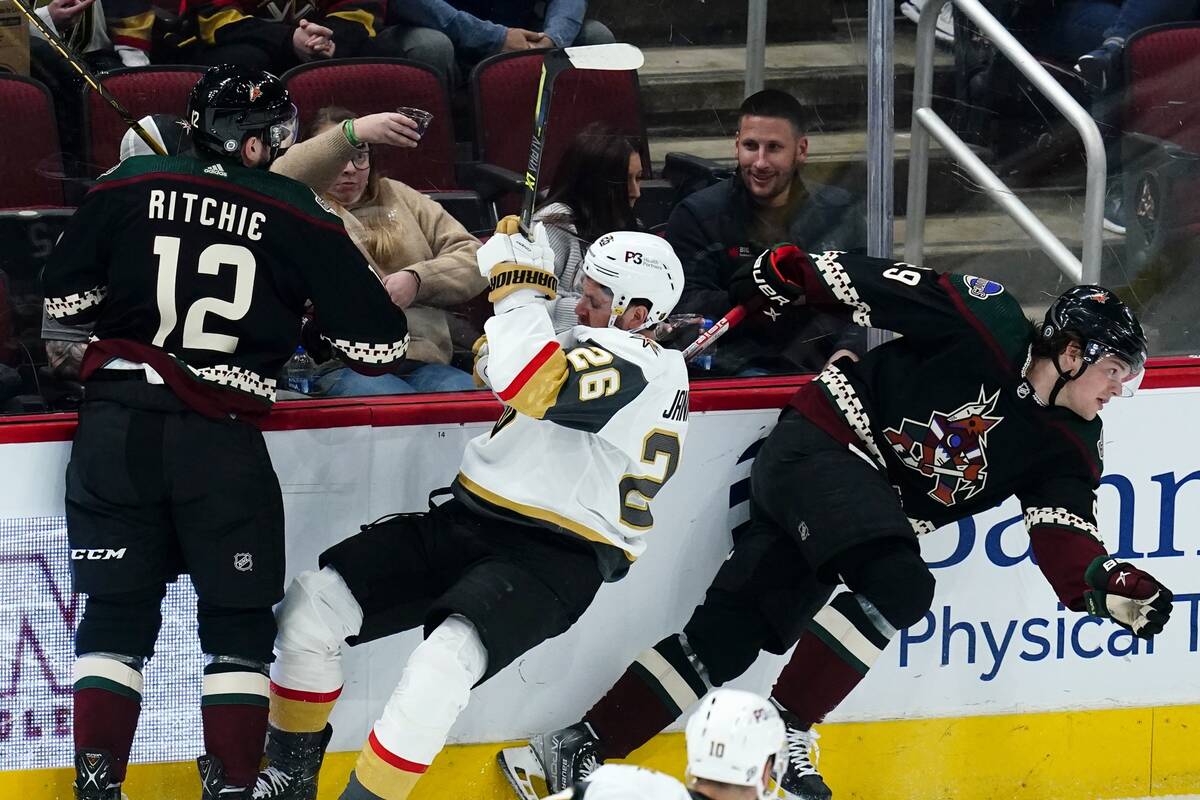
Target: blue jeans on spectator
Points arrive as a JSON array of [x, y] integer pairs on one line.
[[345, 382], [434, 48], [1080, 27]]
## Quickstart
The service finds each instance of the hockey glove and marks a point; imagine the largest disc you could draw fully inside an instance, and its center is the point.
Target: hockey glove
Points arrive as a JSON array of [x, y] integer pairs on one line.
[[512, 263], [479, 372], [777, 275], [1128, 596]]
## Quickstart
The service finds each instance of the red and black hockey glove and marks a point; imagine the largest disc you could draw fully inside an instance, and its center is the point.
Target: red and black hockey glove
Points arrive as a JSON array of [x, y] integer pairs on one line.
[[1128, 596], [777, 275]]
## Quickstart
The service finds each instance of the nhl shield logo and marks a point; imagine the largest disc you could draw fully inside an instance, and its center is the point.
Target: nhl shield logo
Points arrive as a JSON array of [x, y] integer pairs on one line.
[[982, 288], [243, 562]]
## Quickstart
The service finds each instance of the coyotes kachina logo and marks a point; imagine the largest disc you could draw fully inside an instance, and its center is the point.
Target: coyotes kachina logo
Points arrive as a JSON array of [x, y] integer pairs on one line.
[[951, 448]]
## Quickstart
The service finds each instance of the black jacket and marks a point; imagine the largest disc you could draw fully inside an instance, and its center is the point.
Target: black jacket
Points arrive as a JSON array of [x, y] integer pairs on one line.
[[711, 232]]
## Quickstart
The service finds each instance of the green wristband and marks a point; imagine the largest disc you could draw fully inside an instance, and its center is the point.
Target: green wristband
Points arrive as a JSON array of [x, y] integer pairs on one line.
[[348, 131]]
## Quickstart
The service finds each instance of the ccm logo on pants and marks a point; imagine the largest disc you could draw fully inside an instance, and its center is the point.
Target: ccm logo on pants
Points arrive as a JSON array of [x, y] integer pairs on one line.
[[97, 554]]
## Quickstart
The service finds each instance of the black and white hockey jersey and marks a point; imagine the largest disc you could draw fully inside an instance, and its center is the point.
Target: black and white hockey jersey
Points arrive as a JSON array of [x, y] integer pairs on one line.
[[201, 271], [594, 427], [946, 412]]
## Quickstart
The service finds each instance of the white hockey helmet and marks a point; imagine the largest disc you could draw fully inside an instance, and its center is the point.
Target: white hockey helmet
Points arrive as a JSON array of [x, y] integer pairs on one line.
[[634, 266], [730, 737], [625, 782]]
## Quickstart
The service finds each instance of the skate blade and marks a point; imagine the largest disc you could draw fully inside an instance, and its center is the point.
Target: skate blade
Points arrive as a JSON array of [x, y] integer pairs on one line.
[[524, 772]]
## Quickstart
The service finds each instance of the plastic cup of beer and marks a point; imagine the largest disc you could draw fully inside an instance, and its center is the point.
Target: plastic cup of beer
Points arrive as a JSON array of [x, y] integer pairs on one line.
[[417, 115]]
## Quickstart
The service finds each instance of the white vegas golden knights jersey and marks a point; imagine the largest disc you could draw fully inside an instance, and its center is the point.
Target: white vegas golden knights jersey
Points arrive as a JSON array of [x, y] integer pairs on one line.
[[592, 429]]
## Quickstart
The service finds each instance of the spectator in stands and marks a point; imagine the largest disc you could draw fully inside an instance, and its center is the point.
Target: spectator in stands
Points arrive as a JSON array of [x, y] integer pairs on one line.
[[256, 34], [593, 192], [717, 229], [425, 258], [101, 45], [442, 33]]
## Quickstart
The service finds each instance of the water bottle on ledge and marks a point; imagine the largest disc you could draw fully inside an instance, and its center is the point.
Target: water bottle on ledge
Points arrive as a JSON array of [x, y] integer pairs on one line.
[[300, 371], [704, 360]]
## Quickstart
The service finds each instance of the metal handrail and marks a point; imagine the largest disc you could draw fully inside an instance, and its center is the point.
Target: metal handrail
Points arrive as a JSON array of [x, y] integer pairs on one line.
[[756, 45], [926, 122]]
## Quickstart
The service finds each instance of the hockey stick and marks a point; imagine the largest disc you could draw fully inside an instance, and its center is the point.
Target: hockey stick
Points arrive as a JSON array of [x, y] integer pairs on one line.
[[597, 56], [91, 80], [719, 329]]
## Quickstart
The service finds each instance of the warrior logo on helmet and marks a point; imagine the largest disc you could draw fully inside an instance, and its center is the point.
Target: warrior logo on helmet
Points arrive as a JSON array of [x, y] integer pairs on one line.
[[951, 448]]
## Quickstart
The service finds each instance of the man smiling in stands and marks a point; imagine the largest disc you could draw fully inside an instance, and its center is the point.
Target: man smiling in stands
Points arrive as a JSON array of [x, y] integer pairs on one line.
[[717, 230]]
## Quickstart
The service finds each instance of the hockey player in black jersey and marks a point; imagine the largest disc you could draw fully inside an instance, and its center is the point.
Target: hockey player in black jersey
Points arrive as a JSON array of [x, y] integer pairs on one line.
[[971, 405], [194, 274]]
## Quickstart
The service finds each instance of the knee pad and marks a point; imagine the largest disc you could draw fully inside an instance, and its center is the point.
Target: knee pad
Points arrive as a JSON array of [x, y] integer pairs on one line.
[[893, 580], [124, 624], [318, 612], [433, 691], [245, 633]]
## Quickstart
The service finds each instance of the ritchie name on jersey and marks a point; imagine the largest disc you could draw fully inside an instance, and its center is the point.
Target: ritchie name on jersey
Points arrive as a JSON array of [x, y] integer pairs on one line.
[[208, 211]]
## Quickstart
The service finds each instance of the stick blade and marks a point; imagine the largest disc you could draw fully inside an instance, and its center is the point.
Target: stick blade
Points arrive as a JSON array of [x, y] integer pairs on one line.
[[523, 771], [605, 56]]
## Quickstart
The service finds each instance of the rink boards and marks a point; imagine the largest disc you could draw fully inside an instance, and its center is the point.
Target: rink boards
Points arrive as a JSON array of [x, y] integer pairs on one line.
[[998, 692]]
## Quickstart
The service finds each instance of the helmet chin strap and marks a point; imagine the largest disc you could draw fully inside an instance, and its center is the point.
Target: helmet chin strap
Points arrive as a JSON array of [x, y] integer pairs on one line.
[[1063, 378]]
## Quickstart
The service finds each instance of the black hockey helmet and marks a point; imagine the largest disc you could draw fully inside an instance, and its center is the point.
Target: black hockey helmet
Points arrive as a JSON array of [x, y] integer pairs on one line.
[[1104, 326], [231, 103]]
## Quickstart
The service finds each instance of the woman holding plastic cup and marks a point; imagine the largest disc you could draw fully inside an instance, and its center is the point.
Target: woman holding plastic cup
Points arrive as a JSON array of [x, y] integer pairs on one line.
[[425, 258]]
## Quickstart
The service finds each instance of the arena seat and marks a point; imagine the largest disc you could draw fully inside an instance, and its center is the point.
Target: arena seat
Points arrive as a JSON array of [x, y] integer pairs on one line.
[[30, 156], [371, 85], [1161, 139], [504, 91], [154, 89]]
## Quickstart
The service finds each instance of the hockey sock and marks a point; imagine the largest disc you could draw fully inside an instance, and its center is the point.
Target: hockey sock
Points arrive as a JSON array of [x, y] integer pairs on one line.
[[842, 642], [316, 615], [233, 706], [433, 691], [655, 690], [107, 701]]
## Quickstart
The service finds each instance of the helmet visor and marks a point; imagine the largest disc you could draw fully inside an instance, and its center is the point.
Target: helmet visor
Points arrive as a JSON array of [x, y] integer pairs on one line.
[[283, 134], [1132, 382]]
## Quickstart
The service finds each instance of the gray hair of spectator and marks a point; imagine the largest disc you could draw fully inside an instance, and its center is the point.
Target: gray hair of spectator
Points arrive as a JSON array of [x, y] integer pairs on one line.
[[778, 105]]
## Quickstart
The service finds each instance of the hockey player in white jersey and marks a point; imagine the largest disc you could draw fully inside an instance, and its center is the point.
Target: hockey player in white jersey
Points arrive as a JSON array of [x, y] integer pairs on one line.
[[736, 747], [550, 504], [625, 782]]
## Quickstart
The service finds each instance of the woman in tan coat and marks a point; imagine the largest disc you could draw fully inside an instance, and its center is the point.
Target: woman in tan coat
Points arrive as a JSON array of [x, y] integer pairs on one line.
[[424, 257]]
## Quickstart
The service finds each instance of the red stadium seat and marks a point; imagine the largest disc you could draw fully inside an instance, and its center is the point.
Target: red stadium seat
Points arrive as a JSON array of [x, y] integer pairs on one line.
[[1161, 144], [142, 90], [1163, 68], [369, 86], [504, 90], [30, 157]]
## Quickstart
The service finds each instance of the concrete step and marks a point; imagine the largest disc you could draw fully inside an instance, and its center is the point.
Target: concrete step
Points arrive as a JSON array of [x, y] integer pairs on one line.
[[665, 23], [697, 90], [839, 159]]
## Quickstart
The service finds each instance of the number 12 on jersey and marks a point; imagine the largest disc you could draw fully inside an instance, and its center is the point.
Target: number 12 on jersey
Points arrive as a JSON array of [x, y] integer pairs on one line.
[[212, 258]]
